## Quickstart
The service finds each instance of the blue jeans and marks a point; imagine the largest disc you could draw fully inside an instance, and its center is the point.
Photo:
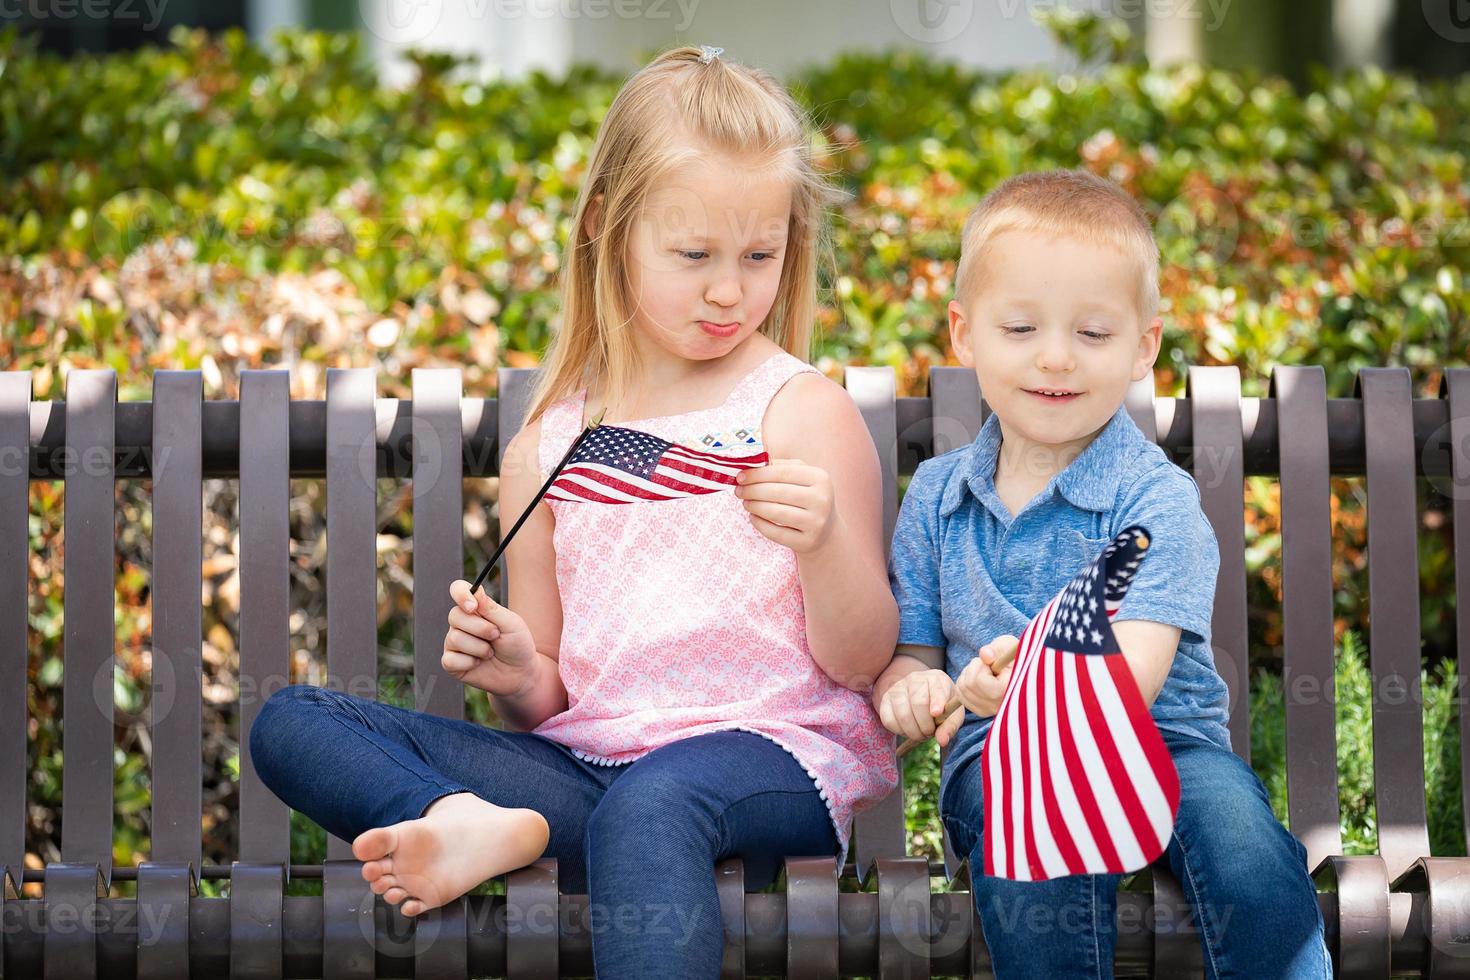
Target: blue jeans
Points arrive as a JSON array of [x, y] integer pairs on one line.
[[1243, 873], [640, 839]]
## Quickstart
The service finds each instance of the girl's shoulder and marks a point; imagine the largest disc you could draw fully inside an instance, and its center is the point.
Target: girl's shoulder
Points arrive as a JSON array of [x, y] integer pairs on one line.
[[549, 435], [808, 405], [774, 373]]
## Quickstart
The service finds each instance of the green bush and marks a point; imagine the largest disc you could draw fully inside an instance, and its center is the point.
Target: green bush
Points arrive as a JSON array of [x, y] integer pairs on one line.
[[1327, 226]]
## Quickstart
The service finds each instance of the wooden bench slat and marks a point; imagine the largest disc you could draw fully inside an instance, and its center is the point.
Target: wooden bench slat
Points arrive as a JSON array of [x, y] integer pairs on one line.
[[514, 386], [958, 413], [1143, 408], [9, 892], [1214, 394], [438, 533], [1455, 389], [1393, 617], [352, 542], [441, 942], [531, 946], [165, 895], [257, 911], [1362, 942], [812, 926], [15, 556], [1176, 948], [905, 914], [88, 634], [176, 724], [1444, 910], [878, 832], [73, 891], [1306, 572], [348, 927], [265, 595], [730, 889]]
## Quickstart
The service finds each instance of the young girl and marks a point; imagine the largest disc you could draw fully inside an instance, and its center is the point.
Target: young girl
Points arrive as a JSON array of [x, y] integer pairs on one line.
[[681, 681]]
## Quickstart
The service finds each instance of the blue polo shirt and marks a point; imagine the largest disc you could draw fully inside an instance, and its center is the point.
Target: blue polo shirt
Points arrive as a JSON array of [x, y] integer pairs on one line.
[[965, 570]]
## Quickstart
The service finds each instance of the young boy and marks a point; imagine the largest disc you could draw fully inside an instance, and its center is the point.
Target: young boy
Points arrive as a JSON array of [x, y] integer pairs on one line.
[[1054, 308]]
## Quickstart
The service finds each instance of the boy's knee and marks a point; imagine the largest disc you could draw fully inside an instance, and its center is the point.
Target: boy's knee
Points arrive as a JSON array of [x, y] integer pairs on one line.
[[1277, 864]]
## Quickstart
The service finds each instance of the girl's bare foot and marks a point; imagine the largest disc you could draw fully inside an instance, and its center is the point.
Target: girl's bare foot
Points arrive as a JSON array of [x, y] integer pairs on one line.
[[460, 841]]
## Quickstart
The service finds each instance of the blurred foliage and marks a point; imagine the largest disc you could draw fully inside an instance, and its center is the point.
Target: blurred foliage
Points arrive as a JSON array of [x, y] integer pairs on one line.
[[216, 206], [1438, 696]]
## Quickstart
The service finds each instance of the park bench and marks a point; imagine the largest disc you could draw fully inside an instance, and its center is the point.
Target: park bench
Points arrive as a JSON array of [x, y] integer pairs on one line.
[[886, 914]]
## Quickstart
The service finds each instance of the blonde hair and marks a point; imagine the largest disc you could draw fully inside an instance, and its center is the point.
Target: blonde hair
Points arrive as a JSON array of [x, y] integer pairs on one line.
[[1073, 203], [665, 115]]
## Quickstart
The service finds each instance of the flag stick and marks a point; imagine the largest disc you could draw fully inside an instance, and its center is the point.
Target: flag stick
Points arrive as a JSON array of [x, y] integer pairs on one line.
[[536, 500], [953, 704]]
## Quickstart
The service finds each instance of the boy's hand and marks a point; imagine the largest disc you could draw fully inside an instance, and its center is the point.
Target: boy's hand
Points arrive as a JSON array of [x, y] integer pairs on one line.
[[911, 707], [788, 501], [982, 684], [488, 646]]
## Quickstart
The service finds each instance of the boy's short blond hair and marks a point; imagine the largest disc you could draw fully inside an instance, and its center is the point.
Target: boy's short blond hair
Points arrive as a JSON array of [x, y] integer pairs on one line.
[[1073, 203]]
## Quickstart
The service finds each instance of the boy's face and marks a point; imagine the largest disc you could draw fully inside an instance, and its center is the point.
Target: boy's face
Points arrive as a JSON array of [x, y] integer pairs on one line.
[[1055, 333]]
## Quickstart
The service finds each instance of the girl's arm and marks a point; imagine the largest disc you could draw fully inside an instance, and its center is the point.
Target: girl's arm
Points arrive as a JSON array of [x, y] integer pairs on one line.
[[531, 565], [851, 616]]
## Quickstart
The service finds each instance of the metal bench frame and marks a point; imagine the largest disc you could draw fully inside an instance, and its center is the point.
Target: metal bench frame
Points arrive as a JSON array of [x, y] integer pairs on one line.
[[893, 915]]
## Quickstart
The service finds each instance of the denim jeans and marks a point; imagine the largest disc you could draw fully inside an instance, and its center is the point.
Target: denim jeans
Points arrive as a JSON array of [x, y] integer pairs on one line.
[[1243, 873], [641, 839]]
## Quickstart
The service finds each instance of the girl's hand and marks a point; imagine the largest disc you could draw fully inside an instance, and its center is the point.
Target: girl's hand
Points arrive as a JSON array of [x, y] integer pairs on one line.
[[911, 707], [488, 646], [982, 684], [789, 502]]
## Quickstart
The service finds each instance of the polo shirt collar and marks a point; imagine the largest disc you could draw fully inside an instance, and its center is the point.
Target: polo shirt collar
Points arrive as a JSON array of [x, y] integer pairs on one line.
[[1090, 481]]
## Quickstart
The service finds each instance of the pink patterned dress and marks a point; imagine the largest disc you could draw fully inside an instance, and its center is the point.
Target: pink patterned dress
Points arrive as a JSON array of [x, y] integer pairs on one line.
[[679, 618]]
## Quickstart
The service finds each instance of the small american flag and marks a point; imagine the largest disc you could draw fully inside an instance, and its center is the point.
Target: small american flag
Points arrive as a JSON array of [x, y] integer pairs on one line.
[[1076, 777], [614, 465]]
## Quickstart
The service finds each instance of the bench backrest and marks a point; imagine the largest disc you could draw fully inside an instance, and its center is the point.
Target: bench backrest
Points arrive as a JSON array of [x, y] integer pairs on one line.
[[351, 439]]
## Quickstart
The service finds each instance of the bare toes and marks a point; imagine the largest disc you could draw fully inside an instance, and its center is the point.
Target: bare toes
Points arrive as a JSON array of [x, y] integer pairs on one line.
[[413, 907], [373, 870], [395, 895], [370, 845], [383, 884]]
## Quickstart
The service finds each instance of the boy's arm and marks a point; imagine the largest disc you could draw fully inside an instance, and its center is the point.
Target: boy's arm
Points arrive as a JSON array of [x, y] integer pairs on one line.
[[930, 658], [1149, 649], [1172, 597], [908, 658]]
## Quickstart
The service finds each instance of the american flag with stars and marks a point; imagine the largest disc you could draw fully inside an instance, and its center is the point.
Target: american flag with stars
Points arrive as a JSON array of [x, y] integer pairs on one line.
[[1076, 778], [616, 465]]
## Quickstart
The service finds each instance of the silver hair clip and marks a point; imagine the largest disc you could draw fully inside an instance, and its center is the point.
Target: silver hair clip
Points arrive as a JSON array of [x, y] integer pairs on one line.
[[708, 54]]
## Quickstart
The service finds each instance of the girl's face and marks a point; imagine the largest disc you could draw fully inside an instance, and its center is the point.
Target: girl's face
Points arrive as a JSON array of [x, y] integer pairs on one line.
[[705, 258]]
